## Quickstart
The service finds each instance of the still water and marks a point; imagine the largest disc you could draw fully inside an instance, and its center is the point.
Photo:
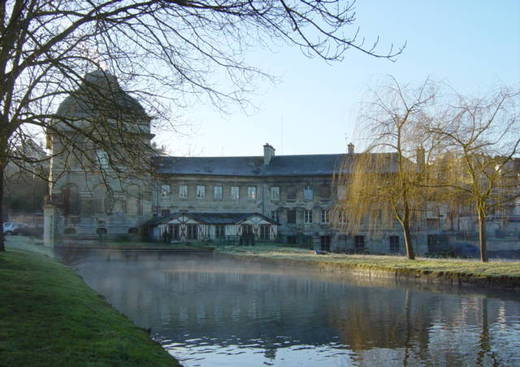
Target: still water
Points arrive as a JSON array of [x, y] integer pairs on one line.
[[213, 311]]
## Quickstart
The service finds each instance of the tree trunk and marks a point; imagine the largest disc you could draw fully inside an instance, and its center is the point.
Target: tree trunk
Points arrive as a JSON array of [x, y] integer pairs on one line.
[[482, 235], [2, 246], [408, 241]]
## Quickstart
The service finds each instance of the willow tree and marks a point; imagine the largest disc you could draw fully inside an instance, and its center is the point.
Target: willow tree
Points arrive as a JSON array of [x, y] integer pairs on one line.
[[481, 144], [382, 185], [163, 50]]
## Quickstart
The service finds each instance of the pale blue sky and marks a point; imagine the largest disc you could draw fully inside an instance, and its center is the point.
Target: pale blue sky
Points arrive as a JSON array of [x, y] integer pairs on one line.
[[472, 45]]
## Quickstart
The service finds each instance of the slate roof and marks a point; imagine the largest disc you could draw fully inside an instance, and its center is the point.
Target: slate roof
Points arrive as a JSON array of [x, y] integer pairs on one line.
[[289, 165], [285, 165], [210, 218], [100, 95]]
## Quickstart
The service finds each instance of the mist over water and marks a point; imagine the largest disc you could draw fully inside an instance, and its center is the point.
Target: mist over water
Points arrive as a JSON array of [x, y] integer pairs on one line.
[[213, 311]]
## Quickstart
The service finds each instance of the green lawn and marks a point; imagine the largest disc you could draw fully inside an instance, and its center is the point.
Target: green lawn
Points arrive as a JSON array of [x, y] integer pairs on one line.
[[471, 267], [50, 317]]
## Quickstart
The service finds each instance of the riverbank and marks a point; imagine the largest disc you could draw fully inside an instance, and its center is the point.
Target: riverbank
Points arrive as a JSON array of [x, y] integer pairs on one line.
[[496, 273], [50, 317]]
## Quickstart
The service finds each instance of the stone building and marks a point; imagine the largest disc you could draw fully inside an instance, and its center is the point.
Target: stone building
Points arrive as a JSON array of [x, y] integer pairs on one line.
[[266, 197], [273, 198], [88, 197]]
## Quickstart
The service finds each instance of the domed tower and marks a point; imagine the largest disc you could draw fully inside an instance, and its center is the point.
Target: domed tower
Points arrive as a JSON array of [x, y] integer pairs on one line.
[[100, 147]]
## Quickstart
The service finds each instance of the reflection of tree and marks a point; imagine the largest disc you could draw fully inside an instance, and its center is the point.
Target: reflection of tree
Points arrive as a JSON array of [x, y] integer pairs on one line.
[[215, 304], [384, 319], [408, 331], [484, 339], [270, 352]]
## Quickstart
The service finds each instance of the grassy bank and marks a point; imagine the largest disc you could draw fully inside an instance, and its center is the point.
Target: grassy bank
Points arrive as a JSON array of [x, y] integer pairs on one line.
[[49, 317], [494, 270]]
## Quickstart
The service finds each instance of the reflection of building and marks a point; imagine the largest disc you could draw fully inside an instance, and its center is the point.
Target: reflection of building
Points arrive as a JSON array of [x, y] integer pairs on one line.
[[217, 303]]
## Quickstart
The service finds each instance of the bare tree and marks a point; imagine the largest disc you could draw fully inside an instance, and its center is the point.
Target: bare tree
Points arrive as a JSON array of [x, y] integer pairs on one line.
[[383, 184], [165, 47], [480, 140]]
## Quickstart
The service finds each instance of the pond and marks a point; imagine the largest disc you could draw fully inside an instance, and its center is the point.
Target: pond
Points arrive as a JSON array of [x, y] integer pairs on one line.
[[210, 310]]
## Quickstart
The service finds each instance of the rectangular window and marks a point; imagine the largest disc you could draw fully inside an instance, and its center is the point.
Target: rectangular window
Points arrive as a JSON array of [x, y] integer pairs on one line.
[[183, 191], [165, 190], [235, 193], [176, 233], [274, 215], [193, 231], [324, 216], [251, 192], [201, 191], [217, 192], [165, 212], [324, 191], [308, 193], [325, 243], [359, 242], [291, 216], [275, 193], [394, 243], [265, 230], [307, 216], [220, 231], [291, 193], [247, 229]]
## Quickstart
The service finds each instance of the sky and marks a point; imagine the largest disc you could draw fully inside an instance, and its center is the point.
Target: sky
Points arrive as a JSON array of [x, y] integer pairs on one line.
[[472, 45]]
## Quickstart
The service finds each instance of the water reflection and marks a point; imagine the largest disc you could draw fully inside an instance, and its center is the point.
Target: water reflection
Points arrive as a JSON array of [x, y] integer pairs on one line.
[[210, 311]]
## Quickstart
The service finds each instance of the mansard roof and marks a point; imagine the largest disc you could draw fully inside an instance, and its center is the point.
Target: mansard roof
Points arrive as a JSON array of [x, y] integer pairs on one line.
[[285, 165]]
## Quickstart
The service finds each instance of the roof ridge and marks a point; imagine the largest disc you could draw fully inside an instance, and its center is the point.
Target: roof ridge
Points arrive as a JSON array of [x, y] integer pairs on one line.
[[260, 156]]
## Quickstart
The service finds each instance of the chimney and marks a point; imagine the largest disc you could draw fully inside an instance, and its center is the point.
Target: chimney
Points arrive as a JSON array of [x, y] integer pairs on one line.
[[350, 148], [268, 153]]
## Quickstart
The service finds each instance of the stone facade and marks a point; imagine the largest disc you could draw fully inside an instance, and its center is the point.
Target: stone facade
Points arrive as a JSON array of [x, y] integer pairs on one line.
[[292, 194], [91, 197], [297, 192]]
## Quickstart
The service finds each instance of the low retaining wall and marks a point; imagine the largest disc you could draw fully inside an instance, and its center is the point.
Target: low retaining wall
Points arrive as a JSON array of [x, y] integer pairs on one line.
[[400, 275]]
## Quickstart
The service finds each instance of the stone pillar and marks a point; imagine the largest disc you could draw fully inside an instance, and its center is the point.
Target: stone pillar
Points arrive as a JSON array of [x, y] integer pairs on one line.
[[49, 225]]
